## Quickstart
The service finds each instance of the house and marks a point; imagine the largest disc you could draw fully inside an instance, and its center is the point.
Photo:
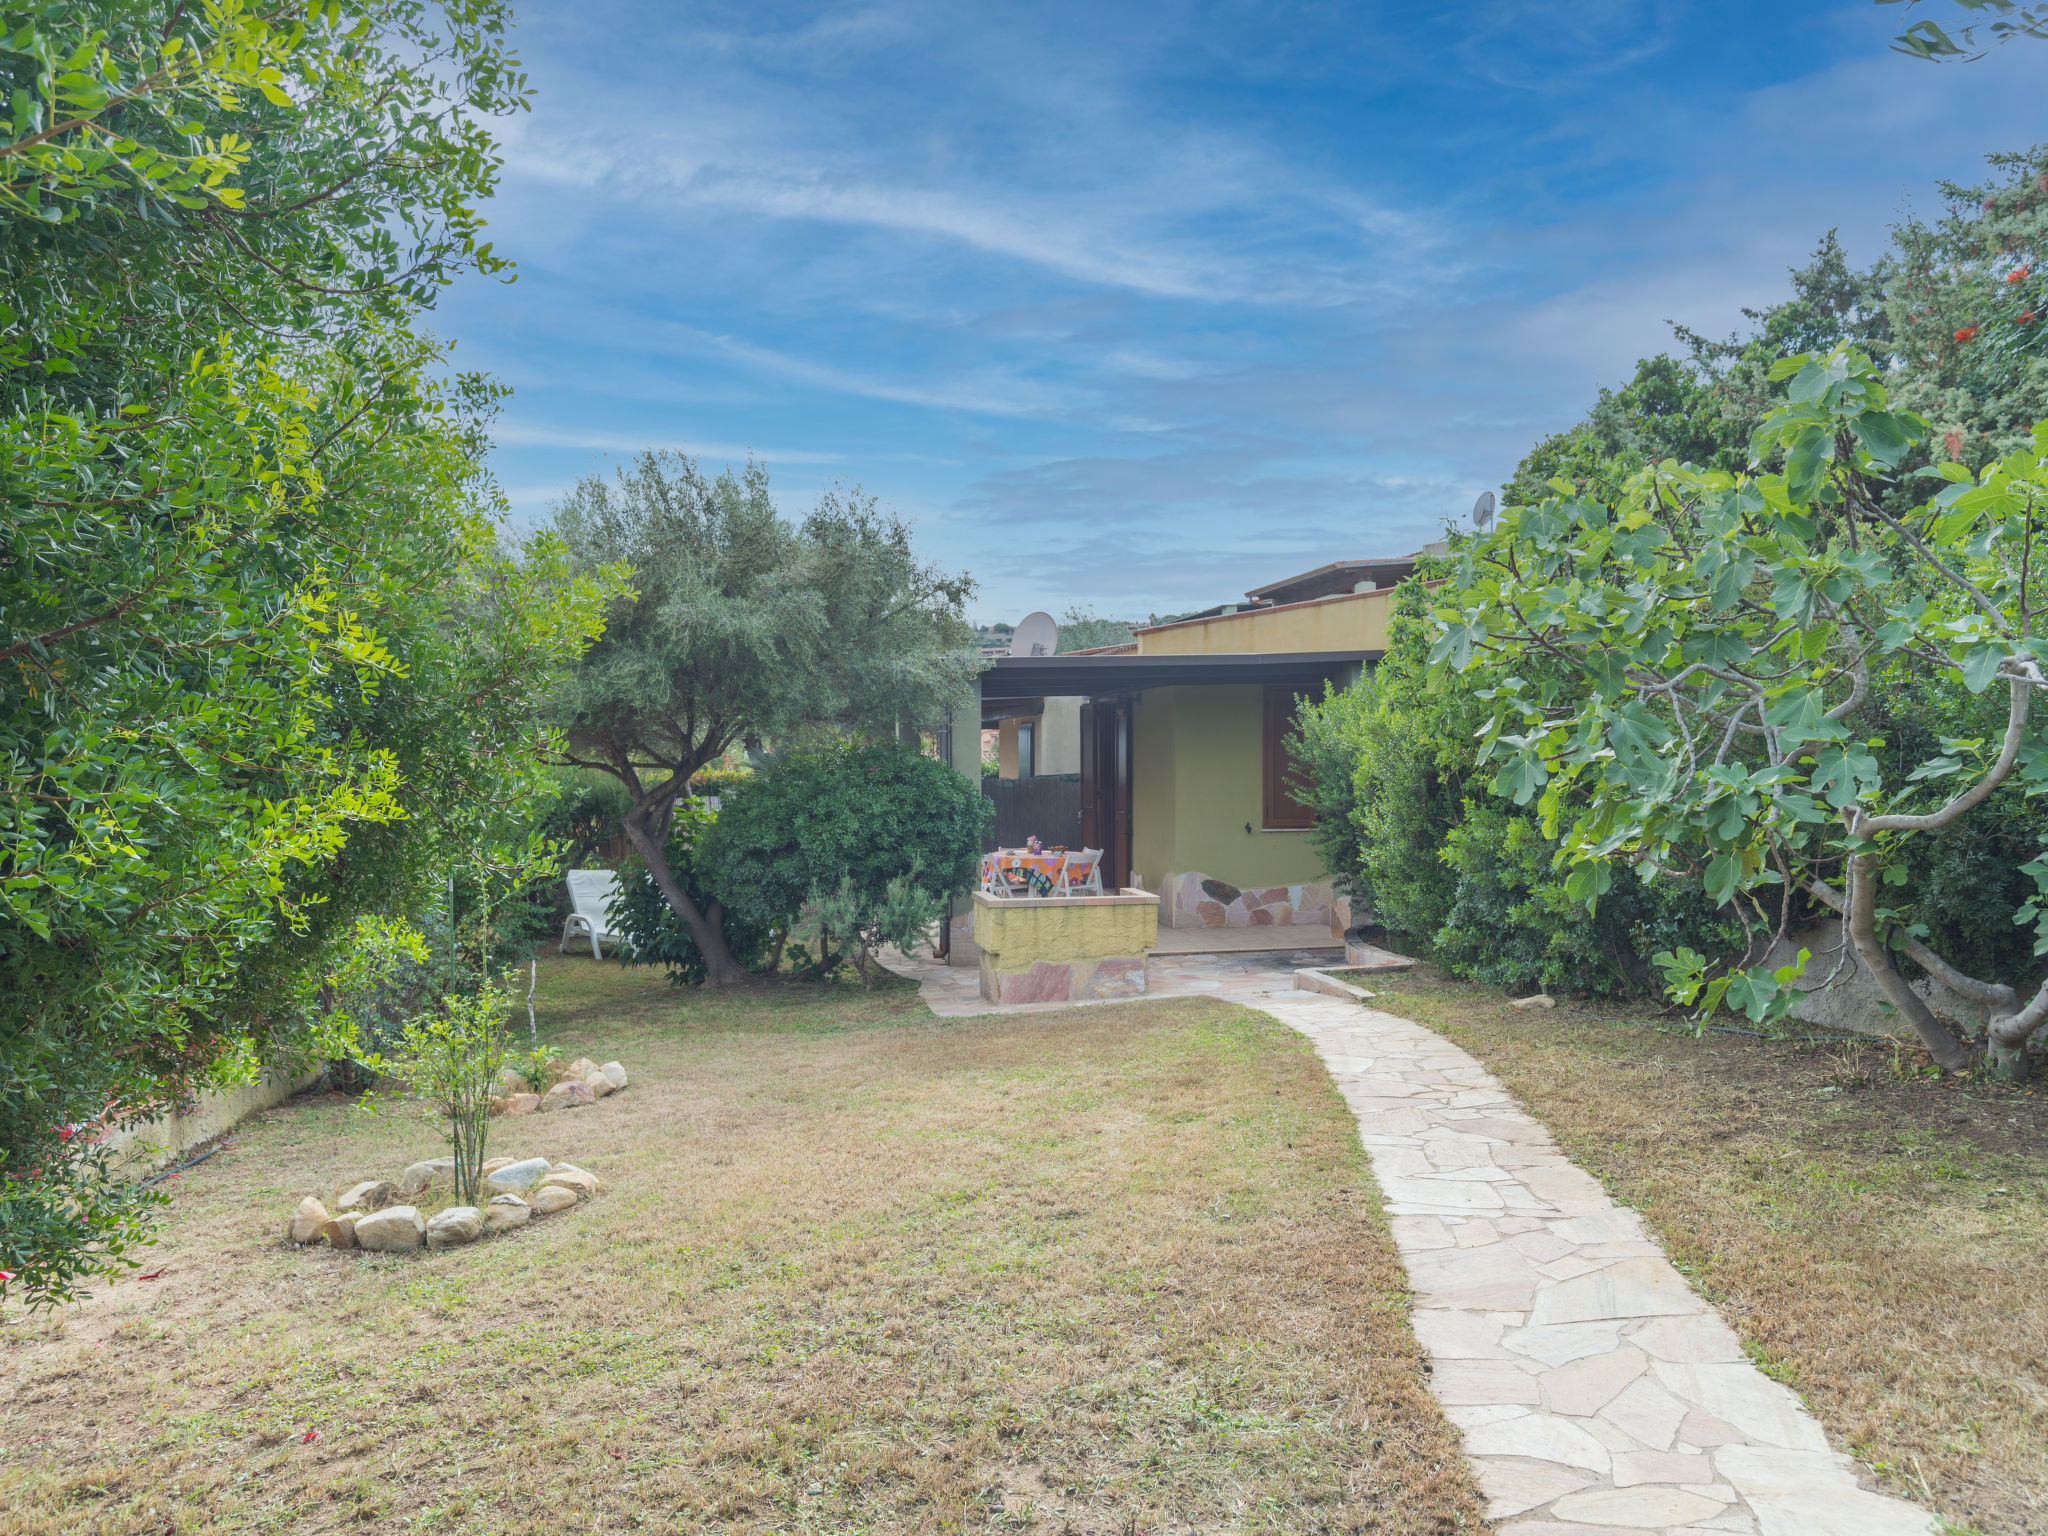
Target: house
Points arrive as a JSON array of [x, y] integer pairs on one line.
[[1185, 781]]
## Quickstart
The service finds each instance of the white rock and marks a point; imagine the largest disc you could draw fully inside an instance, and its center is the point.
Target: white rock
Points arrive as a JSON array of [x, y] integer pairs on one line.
[[306, 1221], [550, 1198], [580, 1069], [584, 1184], [1535, 1000], [567, 1095], [600, 1085], [515, 1177], [423, 1176], [615, 1072], [369, 1195], [506, 1212], [341, 1231], [394, 1229], [455, 1226]]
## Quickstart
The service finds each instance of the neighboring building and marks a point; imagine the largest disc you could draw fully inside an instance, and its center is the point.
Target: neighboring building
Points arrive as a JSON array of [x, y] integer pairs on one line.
[[1179, 742]]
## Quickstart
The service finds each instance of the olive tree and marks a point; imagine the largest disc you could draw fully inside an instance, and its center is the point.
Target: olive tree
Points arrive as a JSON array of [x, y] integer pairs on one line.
[[1723, 639], [744, 626]]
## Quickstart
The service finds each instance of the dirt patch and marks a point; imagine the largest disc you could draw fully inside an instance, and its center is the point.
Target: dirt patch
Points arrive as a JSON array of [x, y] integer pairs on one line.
[[1118, 1269], [1873, 1229]]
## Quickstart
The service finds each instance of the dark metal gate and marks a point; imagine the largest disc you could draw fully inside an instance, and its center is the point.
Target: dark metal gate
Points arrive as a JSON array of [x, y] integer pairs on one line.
[[1046, 806]]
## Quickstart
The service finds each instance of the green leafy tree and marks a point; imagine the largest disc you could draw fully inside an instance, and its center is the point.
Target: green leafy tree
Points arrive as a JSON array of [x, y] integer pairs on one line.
[[1990, 24], [1727, 638], [264, 666], [1083, 629], [655, 935], [745, 626]]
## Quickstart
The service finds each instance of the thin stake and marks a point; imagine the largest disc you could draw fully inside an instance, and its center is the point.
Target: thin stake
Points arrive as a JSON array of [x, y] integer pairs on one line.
[[532, 980]]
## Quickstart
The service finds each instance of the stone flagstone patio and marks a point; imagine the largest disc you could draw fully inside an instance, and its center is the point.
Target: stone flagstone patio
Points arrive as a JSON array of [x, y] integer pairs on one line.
[[1598, 1395]]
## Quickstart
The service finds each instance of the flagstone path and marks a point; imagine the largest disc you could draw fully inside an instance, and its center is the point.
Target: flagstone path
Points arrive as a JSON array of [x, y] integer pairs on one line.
[[1598, 1395]]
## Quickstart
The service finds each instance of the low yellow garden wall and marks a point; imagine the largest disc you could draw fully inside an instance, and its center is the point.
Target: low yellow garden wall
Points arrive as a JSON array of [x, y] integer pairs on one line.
[[1052, 949]]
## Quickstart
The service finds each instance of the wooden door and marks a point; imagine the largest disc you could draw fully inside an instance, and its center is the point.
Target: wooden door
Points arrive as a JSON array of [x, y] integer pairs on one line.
[[1106, 786]]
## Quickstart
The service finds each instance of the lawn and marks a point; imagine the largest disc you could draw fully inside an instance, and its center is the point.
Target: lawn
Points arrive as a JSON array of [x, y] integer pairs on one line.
[[1117, 1269], [1873, 1230]]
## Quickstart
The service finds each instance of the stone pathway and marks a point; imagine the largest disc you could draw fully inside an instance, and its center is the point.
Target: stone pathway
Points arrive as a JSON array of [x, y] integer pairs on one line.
[[1598, 1395]]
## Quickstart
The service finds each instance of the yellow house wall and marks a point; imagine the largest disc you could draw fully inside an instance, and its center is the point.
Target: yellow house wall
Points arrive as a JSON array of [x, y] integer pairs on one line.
[[1197, 777], [1015, 934], [1355, 621]]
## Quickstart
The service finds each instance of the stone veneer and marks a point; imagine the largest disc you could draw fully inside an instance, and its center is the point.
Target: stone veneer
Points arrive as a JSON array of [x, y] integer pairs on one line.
[[1198, 900], [1057, 949]]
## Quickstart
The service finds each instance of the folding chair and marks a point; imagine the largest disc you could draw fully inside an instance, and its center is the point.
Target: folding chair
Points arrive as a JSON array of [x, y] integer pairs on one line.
[[1081, 873]]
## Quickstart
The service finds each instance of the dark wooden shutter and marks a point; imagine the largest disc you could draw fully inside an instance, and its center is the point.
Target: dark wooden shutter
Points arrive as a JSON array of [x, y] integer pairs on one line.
[[1288, 803]]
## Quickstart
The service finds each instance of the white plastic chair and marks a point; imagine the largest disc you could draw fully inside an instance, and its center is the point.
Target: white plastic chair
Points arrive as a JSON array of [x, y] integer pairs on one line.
[[992, 881], [590, 894], [1081, 873]]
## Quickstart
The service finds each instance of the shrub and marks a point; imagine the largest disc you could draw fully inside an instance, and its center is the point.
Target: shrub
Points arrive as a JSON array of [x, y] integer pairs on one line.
[[655, 935], [852, 924], [816, 819], [451, 1057], [717, 781], [69, 1219]]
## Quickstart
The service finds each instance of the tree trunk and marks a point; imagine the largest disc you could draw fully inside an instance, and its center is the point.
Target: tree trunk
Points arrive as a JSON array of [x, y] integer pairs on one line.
[[706, 930], [1861, 921]]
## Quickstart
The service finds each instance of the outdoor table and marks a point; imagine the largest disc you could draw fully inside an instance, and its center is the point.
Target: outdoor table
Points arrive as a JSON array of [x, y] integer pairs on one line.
[[1040, 870]]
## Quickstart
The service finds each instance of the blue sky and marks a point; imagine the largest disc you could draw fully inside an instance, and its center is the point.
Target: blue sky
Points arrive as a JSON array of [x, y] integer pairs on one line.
[[1136, 306]]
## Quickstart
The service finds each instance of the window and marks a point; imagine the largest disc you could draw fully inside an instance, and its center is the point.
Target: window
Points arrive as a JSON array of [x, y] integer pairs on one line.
[[1287, 804], [1027, 748]]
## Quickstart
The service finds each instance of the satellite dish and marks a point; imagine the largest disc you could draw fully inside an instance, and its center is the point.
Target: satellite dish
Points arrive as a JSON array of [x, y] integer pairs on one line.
[[1036, 636], [1482, 511]]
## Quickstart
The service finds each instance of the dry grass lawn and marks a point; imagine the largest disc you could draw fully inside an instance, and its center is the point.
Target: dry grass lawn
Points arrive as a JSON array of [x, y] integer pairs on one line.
[[1877, 1235], [1118, 1269]]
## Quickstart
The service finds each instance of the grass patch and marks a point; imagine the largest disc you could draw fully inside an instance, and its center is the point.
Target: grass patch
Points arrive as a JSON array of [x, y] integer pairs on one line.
[[1117, 1269], [1872, 1231]]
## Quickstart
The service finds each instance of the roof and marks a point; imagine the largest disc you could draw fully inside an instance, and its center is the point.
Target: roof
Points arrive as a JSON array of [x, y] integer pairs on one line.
[[1338, 576], [1075, 674]]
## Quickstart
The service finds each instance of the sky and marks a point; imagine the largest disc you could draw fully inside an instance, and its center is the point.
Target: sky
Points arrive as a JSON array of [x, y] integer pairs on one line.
[[1131, 307]]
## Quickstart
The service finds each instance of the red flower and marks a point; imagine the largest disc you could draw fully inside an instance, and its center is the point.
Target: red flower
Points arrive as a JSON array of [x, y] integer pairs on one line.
[[309, 1437], [2017, 273], [2026, 318], [6, 1274], [66, 1132], [1966, 333]]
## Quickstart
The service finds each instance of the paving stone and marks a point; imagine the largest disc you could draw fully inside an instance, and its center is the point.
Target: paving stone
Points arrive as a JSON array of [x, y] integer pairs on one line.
[[1539, 1246], [1494, 1277], [1644, 1410], [1586, 1386], [1566, 1528], [1647, 1506], [1471, 1415], [1413, 1233], [1743, 1396], [1804, 1493], [1632, 1467], [1626, 1288], [1512, 1486], [1541, 1437], [1702, 1340], [1453, 1333], [1702, 1429], [1562, 1343], [1482, 1381]]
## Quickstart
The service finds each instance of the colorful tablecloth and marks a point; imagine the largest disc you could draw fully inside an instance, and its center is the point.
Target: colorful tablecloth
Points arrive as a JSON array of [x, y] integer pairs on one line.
[[1040, 870]]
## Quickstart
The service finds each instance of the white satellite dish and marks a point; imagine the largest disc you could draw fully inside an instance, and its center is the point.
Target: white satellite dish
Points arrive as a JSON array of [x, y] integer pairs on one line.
[[1482, 511], [1036, 636]]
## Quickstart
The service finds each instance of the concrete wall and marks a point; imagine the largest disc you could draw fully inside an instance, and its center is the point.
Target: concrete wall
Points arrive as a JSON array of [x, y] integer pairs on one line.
[[1197, 779], [1064, 949], [162, 1141], [1352, 621], [1059, 736]]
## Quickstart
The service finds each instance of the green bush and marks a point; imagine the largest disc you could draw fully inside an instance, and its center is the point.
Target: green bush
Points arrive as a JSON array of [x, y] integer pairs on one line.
[[718, 781], [69, 1218], [815, 819], [654, 934]]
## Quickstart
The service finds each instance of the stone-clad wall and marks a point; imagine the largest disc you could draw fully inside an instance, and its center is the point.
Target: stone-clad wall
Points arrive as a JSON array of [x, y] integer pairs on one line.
[[1202, 901], [1058, 949]]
